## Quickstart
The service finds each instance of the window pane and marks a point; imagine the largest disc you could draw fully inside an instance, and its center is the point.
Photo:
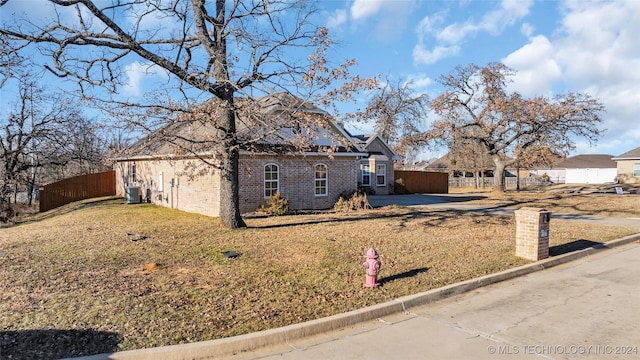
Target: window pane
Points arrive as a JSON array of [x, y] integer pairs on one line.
[[381, 174], [636, 170], [321, 179], [270, 180]]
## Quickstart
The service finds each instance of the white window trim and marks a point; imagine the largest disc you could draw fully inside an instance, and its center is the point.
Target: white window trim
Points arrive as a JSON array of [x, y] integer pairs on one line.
[[383, 174], [277, 181], [326, 180], [633, 169], [363, 172]]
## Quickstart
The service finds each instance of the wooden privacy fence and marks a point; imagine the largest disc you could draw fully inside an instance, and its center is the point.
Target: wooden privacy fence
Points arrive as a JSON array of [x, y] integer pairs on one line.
[[77, 188], [418, 182]]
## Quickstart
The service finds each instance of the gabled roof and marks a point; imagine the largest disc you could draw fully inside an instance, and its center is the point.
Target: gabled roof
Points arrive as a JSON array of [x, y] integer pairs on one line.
[[589, 161], [442, 163], [268, 124], [365, 140], [629, 155]]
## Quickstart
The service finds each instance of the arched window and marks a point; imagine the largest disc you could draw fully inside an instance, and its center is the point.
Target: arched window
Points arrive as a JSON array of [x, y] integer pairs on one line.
[[271, 180], [321, 180]]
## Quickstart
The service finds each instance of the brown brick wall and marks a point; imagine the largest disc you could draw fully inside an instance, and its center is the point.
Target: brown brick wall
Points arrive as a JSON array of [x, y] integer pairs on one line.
[[297, 180], [625, 171], [198, 188], [532, 233]]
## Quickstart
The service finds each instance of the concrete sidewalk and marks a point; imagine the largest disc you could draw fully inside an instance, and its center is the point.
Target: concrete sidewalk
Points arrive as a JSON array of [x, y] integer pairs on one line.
[[586, 309]]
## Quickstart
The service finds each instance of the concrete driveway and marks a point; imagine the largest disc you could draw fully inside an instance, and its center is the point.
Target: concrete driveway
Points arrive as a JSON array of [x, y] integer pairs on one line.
[[421, 199]]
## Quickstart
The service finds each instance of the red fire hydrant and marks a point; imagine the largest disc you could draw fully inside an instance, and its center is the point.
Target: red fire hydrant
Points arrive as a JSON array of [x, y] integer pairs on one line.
[[371, 266]]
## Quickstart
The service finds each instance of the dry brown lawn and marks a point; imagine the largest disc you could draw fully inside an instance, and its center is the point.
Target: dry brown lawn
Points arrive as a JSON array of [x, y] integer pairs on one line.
[[72, 283], [564, 199]]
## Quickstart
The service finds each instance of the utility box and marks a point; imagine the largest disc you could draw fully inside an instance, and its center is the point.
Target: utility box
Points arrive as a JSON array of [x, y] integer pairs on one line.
[[532, 233], [132, 194]]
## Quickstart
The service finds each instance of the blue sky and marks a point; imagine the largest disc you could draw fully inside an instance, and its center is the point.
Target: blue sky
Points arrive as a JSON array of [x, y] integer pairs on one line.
[[555, 46]]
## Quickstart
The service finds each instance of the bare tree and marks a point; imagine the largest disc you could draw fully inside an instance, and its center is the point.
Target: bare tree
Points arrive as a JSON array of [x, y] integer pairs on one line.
[[475, 106], [398, 113], [78, 148], [470, 156], [224, 49], [32, 134]]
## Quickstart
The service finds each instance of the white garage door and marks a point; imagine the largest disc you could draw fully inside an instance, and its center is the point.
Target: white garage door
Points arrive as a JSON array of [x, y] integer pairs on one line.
[[590, 176]]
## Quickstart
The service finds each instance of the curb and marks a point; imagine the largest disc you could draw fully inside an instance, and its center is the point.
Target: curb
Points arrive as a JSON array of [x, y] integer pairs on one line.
[[248, 342]]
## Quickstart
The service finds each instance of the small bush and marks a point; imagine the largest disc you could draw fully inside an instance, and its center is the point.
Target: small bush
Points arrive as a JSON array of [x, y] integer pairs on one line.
[[352, 201], [276, 205]]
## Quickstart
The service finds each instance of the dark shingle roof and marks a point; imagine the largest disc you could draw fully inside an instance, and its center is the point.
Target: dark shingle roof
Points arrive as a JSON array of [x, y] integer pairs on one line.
[[260, 125], [595, 161], [631, 155]]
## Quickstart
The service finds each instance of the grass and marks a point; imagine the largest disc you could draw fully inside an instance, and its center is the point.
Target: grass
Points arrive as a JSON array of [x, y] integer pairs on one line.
[[72, 276], [565, 199]]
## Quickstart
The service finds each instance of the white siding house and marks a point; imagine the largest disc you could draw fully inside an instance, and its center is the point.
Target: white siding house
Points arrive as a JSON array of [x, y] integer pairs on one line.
[[589, 169]]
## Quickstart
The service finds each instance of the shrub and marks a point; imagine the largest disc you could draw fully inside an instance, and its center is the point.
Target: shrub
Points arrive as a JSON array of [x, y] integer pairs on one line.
[[352, 201], [276, 205]]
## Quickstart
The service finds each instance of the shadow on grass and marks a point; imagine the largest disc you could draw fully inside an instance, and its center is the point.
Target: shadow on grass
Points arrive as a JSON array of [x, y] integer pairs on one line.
[[65, 209], [435, 217], [56, 344], [574, 246], [404, 275]]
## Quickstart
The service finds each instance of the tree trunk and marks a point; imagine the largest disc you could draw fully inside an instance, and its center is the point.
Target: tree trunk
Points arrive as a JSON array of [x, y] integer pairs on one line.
[[498, 175], [229, 164]]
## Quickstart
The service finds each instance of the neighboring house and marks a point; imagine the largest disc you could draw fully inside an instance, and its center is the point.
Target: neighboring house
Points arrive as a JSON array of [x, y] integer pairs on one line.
[[376, 170], [421, 165], [332, 164], [587, 169], [628, 167]]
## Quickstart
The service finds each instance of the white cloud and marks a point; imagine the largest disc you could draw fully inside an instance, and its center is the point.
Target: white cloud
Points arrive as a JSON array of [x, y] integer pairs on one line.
[[361, 9], [138, 74], [536, 68], [421, 55], [387, 18], [420, 81], [594, 51], [448, 38], [527, 29], [336, 19]]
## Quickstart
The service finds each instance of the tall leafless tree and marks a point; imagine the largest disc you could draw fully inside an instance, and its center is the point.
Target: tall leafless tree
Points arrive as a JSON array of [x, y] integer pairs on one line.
[[398, 113], [222, 48], [476, 106]]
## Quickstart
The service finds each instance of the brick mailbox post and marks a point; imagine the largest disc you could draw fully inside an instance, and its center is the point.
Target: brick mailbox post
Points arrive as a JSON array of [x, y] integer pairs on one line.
[[532, 233]]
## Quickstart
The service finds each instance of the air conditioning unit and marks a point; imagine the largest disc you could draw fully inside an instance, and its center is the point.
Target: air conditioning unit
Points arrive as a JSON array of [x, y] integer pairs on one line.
[[132, 195]]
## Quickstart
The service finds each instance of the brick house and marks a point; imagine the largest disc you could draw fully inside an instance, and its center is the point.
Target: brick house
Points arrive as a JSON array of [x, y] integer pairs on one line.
[[330, 164], [628, 167], [376, 169]]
